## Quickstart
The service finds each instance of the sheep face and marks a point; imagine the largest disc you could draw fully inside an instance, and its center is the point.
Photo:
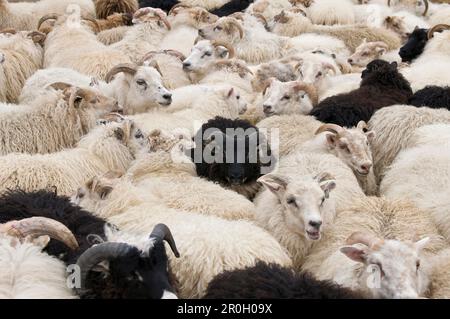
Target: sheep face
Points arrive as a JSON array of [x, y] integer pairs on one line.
[[367, 52], [196, 17], [415, 45], [203, 55], [392, 268], [304, 201], [235, 101], [146, 87], [226, 29], [312, 72], [281, 71], [286, 98], [397, 24]]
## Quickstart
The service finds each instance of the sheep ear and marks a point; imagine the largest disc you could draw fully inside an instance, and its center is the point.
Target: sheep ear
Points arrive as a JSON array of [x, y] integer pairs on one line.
[[119, 133], [370, 135], [41, 241], [222, 52], [104, 191], [326, 182], [354, 253], [230, 93], [275, 183], [331, 139], [421, 243], [394, 65]]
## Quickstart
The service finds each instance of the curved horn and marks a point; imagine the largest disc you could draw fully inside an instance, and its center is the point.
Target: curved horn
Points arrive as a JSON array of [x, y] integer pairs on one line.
[[333, 128], [176, 54], [98, 253], [47, 17], [163, 18], [8, 31], [124, 67], [154, 64], [437, 28], [162, 232], [329, 66], [37, 37], [362, 126], [231, 52], [427, 6], [369, 240], [238, 26], [237, 16], [76, 92], [94, 22], [178, 5], [310, 90], [40, 226], [149, 56]]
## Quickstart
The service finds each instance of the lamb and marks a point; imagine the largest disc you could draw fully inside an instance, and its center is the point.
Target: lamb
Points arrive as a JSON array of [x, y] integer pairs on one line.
[[369, 51], [205, 248], [268, 281], [294, 23], [55, 120], [415, 162], [434, 97], [22, 56], [394, 127], [415, 45], [106, 148], [373, 237], [382, 85], [136, 88], [237, 168], [24, 16], [106, 8], [293, 97]]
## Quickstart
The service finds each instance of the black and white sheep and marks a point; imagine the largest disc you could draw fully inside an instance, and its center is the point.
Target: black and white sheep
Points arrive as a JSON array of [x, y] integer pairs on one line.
[[415, 45]]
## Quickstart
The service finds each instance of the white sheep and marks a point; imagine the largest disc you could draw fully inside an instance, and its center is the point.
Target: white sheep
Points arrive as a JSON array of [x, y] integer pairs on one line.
[[331, 12], [54, 120], [111, 147], [366, 52]]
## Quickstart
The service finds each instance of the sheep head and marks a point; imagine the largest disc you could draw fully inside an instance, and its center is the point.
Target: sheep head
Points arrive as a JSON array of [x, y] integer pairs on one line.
[[317, 67], [226, 29], [415, 45], [392, 267], [305, 201], [397, 24], [280, 70], [150, 15], [352, 146], [293, 97], [193, 16], [367, 52], [205, 53]]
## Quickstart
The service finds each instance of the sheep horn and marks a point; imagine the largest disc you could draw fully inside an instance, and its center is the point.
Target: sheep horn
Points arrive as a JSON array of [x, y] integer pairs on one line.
[[237, 16], [45, 18], [329, 66], [362, 126], [261, 18], [310, 90], [149, 56], [437, 28], [162, 232], [154, 64], [96, 254], [333, 128], [124, 67], [114, 117], [163, 18], [231, 52], [178, 5], [427, 6], [40, 226], [37, 37], [8, 31], [369, 240], [238, 26], [176, 54], [95, 23]]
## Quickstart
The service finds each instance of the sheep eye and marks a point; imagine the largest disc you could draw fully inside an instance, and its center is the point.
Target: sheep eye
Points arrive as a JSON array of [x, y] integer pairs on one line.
[[208, 53], [286, 97], [141, 82], [218, 28], [345, 148], [80, 195], [139, 134], [418, 264], [238, 97], [319, 74], [323, 201], [291, 201]]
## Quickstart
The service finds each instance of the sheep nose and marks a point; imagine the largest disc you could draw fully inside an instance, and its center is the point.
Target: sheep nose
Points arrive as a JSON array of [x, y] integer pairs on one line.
[[315, 224], [350, 61], [186, 65], [366, 167], [267, 108], [201, 32], [167, 96]]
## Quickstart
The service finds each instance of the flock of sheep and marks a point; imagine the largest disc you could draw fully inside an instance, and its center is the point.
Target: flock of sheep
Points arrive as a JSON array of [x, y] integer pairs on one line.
[[336, 113]]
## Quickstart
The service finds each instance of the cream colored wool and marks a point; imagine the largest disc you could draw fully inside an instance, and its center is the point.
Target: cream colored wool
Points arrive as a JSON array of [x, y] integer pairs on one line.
[[29, 273], [98, 152], [439, 274], [331, 12], [23, 57], [110, 36]]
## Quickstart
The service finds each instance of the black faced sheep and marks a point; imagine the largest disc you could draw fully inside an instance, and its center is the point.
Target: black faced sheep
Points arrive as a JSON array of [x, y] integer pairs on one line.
[[130, 272], [415, 45], [435, 97], [232, 7], [382, 85], [265, 281], [18, 205], [237, 167]]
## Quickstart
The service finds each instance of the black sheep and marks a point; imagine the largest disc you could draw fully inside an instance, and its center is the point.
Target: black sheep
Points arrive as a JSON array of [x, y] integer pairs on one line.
[[435, 97], [232, 7], [165, 5], [415, 45], [271, 281], [17, 205], [236, 168], [382, 85]]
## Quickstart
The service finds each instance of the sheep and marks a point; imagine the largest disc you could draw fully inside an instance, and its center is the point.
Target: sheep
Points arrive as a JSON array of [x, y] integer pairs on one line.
[[293, 97], [55, 120], [170, 64], [185, 22], [73, 45], [136, 88], [438, 274], [293, 23], [415, 45], [232, 7], [434, 97], [106, 148], [394, 127], [329, 12], [369, 51], [403, 23], [111, 36], [29, 273], [269, 281], [18, 205], [106, 8], [24, 16], [237, 168], [22, 56], [162, 173], [382, 85], [375, 237], [110, 22], [405, 178], [208, 245], [136, 267], [279, 69], [440, 16], [165, 5], [268, 9]]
